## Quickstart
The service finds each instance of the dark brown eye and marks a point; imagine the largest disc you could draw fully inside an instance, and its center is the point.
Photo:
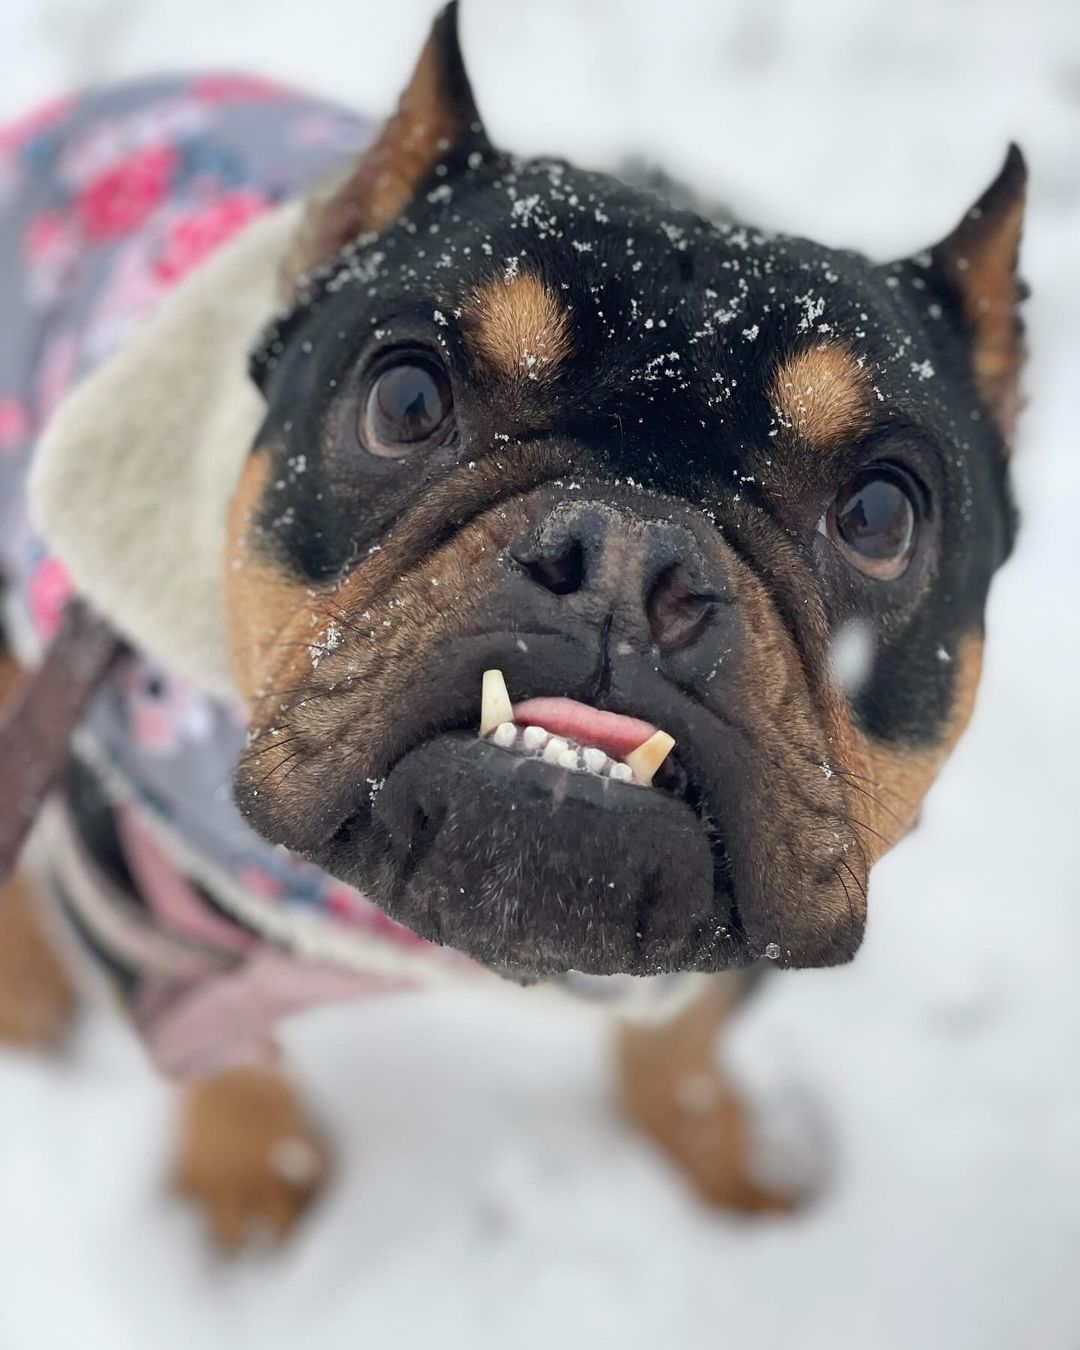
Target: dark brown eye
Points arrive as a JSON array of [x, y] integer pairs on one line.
[[408, 406], [873, 521]]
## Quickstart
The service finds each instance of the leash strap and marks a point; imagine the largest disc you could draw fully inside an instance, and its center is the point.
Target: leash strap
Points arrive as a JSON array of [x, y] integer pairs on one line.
[[35, 733]]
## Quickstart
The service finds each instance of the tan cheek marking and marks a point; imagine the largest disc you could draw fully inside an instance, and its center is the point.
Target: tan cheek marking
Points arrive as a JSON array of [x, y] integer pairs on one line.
[[393, 626], [270, 617], [823, 395], [892, 782], [517, 327], [791, 735], [392, 611]]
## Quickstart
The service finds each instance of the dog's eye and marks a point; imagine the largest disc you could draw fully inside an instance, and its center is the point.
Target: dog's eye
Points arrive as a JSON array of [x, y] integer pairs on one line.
[[407, 407], [873, 521]]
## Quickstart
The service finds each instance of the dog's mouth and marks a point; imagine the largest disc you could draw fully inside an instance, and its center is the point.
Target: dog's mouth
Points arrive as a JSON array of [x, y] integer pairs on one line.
[[548, 835], [572, 735], [552, 833]]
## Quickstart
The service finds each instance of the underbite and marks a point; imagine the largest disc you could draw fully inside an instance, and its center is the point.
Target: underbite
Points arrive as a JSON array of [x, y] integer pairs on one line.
[[500, 727]]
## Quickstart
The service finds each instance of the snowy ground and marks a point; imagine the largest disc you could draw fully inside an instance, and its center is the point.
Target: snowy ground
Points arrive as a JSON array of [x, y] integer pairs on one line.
[[486, 1195]]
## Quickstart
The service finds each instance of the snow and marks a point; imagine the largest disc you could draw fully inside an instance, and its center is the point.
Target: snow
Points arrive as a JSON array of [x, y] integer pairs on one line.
[[486, 1195]]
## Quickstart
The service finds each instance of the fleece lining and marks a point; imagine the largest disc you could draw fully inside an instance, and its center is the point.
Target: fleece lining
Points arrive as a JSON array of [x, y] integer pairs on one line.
[[132, 478]]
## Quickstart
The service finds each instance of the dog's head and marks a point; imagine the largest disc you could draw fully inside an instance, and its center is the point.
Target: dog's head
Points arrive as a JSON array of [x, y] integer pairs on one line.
[[663, 475]]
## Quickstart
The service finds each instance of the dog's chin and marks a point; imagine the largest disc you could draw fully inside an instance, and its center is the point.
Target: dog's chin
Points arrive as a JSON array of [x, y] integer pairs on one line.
[[534, 871]]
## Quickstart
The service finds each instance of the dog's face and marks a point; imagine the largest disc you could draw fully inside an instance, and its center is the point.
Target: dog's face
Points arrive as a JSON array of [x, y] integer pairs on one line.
[[663, 475]]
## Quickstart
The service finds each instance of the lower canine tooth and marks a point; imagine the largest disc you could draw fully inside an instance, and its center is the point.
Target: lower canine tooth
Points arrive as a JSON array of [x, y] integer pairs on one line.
[[495, 705], [647, 758], [554, 749], [505, 734]]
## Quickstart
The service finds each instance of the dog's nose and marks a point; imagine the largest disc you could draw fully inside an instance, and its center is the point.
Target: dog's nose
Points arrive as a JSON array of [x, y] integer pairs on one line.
[[650, 572]]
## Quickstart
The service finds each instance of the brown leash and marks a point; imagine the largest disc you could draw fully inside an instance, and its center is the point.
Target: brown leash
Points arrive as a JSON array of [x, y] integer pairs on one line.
[[36, 730]]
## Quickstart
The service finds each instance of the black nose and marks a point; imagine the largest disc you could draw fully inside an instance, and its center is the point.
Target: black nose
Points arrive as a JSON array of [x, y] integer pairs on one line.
[[651, 572]]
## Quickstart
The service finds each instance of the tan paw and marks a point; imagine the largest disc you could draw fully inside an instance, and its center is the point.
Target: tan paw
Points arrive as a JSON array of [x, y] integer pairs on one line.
[[36, 997], [706, 1130], [249, 1157], [670, 1087]]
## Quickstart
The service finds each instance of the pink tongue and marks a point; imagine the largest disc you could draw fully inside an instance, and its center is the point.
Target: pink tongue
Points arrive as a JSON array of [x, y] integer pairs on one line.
[[611, 732]]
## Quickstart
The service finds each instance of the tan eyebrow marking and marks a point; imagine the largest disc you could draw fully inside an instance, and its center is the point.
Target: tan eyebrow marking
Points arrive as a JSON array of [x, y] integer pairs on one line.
[[518, 326], [823, 395]]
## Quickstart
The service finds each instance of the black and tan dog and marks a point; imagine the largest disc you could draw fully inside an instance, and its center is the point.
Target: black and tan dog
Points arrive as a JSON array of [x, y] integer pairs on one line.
[[681, 483]]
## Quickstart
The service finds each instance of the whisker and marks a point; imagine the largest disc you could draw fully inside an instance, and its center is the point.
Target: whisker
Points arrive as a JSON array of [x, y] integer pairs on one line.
[[847, 896], [879, 803], [884, 787], [280, 764], [863, 825], [859, 885]]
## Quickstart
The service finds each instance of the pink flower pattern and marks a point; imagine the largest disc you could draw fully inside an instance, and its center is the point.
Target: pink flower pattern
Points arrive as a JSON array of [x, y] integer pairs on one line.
[[48, 592], [14, 423], [237, 89], [190, 238], [119, 200]]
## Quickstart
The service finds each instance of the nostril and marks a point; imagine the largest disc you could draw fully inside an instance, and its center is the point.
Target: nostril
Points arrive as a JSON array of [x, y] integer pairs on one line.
[[561, 574], [677, 613]]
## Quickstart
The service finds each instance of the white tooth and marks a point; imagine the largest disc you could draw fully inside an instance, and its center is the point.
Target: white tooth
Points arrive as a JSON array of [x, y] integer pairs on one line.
[[568, 759], [505, 734], [594, 759], [647, 758], [622, 773], [535, 738], [554, 749], [495, 705]]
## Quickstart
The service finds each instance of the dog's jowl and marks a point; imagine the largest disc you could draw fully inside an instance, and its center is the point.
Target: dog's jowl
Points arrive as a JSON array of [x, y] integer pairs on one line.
[[602, 584]]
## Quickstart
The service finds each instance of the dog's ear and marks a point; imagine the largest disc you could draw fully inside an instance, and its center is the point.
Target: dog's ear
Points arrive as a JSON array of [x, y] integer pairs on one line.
[[436, 119], [975, 268]]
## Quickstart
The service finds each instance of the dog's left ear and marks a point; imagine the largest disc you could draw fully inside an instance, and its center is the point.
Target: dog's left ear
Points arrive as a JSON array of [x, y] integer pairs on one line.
[[975, 268], [436, 120]]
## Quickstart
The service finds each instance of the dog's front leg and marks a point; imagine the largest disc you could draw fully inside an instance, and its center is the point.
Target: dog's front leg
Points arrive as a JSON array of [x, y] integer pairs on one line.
[[36, 996], [249, 1155], [671, 1085]]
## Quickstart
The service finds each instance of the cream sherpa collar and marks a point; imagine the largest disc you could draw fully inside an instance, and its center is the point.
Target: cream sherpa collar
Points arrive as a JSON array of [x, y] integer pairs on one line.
[[131, 481]]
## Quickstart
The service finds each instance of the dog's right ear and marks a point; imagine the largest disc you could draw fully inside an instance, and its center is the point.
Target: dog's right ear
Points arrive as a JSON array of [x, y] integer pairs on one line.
[[436, 119], [975, 271]]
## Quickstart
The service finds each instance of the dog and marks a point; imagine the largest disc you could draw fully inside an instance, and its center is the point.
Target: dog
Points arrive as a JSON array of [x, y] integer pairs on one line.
[[584, 590]]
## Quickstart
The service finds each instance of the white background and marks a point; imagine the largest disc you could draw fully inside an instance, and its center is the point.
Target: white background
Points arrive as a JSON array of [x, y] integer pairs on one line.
[[486, 1195]]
